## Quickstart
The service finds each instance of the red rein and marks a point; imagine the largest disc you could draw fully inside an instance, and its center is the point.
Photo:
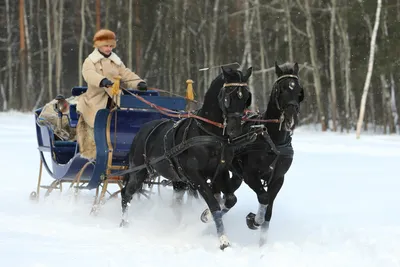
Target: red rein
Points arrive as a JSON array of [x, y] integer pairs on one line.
[[173, 114]]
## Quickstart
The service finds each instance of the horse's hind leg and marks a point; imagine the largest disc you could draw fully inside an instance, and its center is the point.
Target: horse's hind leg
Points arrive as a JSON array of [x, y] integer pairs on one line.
[[133, 185], [179, 189]]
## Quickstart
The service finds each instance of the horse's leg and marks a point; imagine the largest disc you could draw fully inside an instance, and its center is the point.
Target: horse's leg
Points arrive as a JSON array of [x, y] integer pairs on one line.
[[273, 190], [255, 220], [213, 205], [222, 184], [236, 182], [132, 186], [179, 189]]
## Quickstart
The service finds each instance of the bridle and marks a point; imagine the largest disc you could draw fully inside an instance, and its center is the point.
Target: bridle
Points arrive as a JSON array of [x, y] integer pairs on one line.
[[293, 103], [224, 101]]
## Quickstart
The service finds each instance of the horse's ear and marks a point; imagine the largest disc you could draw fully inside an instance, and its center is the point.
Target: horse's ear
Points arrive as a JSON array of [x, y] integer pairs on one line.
[[249, 71], [225, 72], [278, 70], [296, 69]]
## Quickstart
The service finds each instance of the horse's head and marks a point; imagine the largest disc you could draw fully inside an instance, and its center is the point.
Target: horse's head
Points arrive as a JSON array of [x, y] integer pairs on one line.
[[287, 94], [234, 97]]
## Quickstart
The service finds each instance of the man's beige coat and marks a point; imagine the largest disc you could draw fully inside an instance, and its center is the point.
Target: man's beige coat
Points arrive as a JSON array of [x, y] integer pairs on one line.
[[95, 68]]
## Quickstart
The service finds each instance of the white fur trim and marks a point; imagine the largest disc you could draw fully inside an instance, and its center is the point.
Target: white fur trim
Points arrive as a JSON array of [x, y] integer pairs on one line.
[[96, 56]]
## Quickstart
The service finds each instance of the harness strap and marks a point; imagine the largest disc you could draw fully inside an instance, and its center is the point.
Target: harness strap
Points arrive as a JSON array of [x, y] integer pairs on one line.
[[174, 151]]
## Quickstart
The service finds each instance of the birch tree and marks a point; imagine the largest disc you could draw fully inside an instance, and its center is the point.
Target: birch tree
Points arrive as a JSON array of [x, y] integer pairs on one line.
[[370, 69]]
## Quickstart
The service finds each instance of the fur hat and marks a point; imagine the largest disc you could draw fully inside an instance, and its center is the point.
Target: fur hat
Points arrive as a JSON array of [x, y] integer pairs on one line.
[[104, 37]]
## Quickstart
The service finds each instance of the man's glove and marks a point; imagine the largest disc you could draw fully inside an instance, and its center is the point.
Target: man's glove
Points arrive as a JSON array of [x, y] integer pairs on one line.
[[142, 86], [106, 83]]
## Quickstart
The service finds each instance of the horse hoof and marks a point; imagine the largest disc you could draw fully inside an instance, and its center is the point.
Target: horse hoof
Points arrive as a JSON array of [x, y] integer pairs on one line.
[[206, 216], [250, 221], [124, 224], [224, 242], [33, 195]]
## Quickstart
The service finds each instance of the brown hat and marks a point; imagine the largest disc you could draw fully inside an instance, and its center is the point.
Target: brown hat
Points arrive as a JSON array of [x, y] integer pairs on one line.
[[104, 37]]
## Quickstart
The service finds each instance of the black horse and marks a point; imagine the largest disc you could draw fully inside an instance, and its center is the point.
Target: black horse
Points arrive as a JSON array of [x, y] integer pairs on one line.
[[190, 151], [265, 162]]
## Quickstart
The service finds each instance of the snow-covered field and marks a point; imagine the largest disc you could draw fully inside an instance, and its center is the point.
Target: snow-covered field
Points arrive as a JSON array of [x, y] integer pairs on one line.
[[339, 206]]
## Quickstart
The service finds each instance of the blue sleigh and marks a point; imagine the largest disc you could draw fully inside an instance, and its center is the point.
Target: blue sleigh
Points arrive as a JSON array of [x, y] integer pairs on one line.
[[114, 131]]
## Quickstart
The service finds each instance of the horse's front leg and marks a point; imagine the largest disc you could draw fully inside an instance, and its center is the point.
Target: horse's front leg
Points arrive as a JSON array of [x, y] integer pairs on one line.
[[213, 205], [273, 190], [254, 221], [221, 184]]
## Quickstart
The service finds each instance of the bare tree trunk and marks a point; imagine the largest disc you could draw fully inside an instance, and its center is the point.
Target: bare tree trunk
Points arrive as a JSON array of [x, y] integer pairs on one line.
[[314, 62], [107, 23], [130, 34], [3, 95], [393, 101], [247, 58], [9, 59], [386, 92], [39, 99], [262, 49], [182, 47], [81, 41], [289, 28], [59, 46], [98, 26], [138, 39], [347, 65], [370, 68], [29, 83], [213, 40], [22, 53], [332, 65], [49, 51], [387, 104], [155, 35]]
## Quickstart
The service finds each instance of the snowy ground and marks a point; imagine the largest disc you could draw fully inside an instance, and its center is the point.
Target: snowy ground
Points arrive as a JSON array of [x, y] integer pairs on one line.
[[339, 206]]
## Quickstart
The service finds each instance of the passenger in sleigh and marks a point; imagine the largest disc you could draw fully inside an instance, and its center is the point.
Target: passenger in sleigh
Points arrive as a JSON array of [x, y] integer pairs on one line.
[[60, 125], [99, 71]]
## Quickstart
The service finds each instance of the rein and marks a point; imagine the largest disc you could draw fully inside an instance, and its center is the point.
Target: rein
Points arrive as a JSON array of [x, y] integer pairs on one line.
[[170, 113]]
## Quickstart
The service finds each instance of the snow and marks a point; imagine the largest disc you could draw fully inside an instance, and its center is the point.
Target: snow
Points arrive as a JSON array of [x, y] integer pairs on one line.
[[339, 206]]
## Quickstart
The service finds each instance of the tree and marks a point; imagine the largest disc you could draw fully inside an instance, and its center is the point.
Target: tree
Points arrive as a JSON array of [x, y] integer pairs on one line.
[[370, 68]]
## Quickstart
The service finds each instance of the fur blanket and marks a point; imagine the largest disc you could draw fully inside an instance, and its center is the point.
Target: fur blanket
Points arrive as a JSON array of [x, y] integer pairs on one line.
[[85, 136]]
